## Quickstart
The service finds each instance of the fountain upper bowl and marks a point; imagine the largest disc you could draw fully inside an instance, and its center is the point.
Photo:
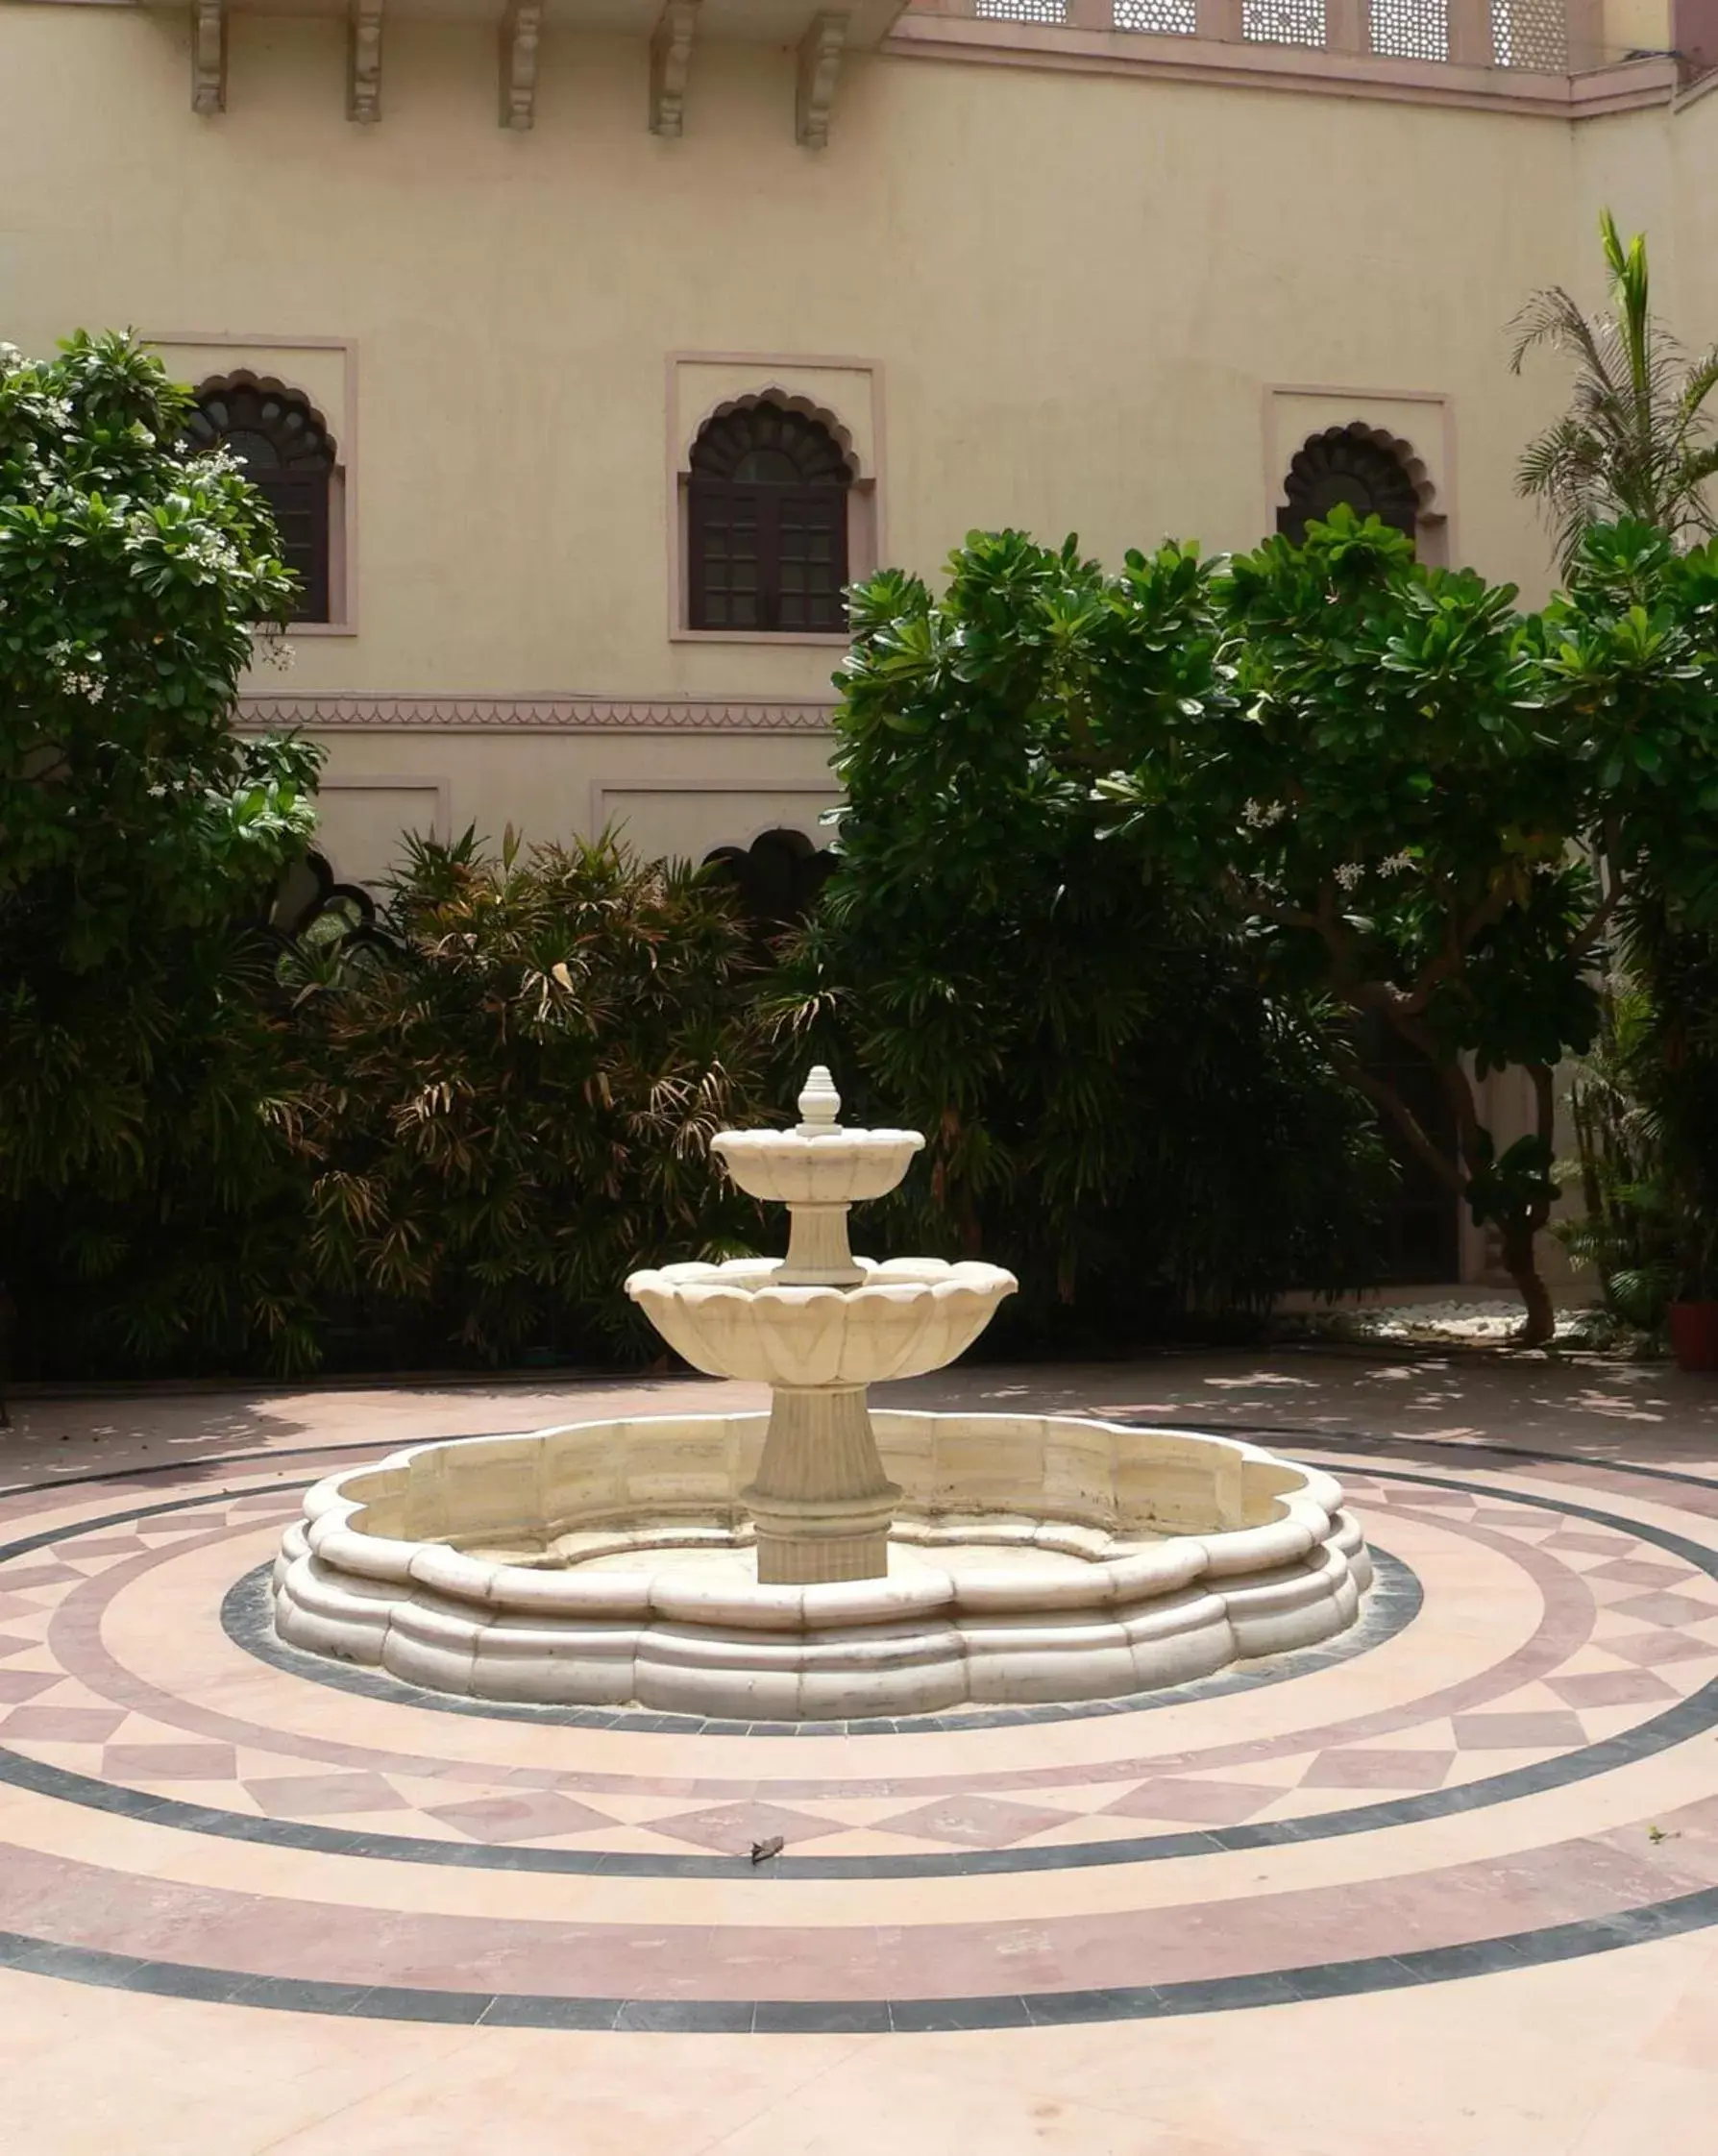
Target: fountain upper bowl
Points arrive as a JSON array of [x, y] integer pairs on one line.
[[910, 1315], [835, 1167]]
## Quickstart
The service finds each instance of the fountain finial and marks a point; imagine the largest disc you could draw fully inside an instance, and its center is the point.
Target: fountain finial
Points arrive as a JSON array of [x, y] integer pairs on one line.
[[820, 1104]]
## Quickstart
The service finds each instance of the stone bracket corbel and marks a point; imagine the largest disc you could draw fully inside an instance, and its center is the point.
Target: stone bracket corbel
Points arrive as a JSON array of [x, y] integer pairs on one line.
[[671, 62], [363, 71], [820, 67], [520, 33], [209, 57]]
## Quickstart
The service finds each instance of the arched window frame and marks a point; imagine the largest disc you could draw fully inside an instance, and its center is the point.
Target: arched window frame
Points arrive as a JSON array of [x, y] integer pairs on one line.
[[1406, 496], [858, 532], [310, 468]]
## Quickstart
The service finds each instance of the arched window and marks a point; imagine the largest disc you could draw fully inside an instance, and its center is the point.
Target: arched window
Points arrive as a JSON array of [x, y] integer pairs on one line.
[[1347, 464], [287, 453], [768, 524], [778, 878]]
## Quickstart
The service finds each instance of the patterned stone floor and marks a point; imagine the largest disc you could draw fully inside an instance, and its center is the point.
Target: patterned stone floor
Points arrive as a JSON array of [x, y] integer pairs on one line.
[[1454, 1879]]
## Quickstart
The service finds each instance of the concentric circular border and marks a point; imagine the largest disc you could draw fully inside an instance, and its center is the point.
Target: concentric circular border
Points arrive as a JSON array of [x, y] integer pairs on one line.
[[1678, 1914]]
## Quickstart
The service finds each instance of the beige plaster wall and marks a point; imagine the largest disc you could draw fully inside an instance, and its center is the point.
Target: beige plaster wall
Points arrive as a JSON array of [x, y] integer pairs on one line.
[[1077, 293]]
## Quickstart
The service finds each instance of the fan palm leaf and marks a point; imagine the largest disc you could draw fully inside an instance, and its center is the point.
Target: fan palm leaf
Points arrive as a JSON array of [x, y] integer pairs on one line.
[[1636, 440]]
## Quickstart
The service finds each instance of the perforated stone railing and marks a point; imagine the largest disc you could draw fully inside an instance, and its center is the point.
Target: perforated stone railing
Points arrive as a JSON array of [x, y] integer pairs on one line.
[[1528, 36]]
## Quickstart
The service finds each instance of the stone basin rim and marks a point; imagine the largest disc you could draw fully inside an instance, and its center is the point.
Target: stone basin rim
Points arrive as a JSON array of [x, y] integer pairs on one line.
[[1305, 1517]]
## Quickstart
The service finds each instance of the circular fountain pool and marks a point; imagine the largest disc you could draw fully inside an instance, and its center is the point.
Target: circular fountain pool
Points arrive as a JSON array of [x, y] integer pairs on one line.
[[611, 1563]]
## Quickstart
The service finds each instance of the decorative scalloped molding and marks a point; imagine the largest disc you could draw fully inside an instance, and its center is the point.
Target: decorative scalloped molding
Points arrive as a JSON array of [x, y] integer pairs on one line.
[[1425, 487], [363, 82], [820, 67], [670, 63], [246, 378], [209, 57], [520, 33], [536, 714], [773, 393]]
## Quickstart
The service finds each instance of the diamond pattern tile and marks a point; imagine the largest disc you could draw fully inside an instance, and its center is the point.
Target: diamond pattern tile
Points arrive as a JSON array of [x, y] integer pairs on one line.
[[1191, 1803], [520, 1818], [25, 1684], [1609, 1688], [63, 1725], [1360, 1769], [24, 1577], [1585, 1540], [324, 1796], [1667, 1609], [730, 1829], [168, 1762], [1639, 1572], [1652, 1648], [975, 1822], [1553, 1730]]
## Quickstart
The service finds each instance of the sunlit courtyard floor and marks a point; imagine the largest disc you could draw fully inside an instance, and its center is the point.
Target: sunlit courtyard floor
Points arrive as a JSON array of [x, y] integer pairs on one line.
[[1448, 1888]]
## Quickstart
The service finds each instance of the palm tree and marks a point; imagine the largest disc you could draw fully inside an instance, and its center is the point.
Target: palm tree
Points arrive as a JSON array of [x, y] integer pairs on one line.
[[1636, 440]]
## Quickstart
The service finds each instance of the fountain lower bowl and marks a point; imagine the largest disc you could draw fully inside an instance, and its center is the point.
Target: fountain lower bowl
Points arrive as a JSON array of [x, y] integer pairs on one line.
[[1034, 1559], [908, 1316]]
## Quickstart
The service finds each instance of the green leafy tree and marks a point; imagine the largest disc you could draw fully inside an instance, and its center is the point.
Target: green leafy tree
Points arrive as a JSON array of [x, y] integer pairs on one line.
[[511, 1092], [1112, 1104], [141, 1104], [1638, 441], [1431, 807]]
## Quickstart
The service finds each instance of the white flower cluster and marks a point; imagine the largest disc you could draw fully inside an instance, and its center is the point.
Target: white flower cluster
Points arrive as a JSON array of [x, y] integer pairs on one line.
[[1395, 863], [1349, 874], [212, 552], [217, 463], [76, 678], [1259, 816]]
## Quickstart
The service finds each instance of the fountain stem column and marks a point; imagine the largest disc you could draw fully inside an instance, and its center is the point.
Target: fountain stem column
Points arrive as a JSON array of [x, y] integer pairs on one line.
[[821, 1502]]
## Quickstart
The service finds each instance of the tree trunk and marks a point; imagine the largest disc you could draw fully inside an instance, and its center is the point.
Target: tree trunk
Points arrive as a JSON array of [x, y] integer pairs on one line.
[[1519, 1240]]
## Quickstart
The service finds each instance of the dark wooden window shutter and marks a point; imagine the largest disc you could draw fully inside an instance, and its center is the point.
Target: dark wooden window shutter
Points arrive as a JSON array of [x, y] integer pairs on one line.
[[768, 524], [287, 455]]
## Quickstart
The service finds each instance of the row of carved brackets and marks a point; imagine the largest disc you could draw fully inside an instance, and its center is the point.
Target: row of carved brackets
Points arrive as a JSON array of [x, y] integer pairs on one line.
[[819, 66], [820, 52]]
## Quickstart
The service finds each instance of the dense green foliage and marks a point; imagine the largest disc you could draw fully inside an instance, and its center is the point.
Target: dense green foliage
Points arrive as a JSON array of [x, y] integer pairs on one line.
[[506, 1100], [1355, 787], [1114, 1107], [1129, 863], [139, 838], [1645, 1110]]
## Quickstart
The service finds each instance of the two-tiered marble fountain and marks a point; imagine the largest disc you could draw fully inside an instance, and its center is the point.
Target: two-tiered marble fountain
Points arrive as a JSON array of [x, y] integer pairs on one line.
[[825, 1561]]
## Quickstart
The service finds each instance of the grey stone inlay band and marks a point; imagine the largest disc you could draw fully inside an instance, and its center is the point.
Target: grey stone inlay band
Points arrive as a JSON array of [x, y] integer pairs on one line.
[[1685, 1718], [1392, 1604], [1214, 1995]]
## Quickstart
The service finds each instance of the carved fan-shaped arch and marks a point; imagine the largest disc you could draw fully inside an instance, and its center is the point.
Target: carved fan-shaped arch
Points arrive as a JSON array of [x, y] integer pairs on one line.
[[288, 455], [751, 437], [768, 499], [778, 878], [1351, 465]]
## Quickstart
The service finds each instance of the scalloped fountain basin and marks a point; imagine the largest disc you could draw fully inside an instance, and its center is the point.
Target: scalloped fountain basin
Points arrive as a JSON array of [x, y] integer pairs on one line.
[[608, 1564]]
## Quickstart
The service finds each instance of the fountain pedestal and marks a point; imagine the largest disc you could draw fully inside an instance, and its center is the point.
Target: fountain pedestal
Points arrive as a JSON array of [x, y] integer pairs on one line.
[[821, 1503]]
